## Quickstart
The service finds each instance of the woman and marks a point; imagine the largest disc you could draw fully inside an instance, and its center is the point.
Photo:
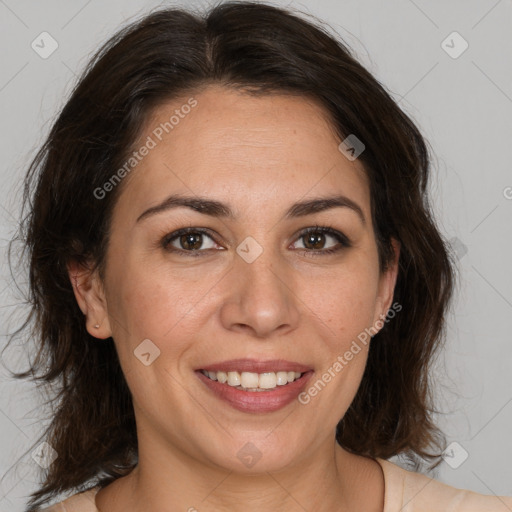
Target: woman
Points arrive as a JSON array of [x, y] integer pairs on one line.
[[236, 277]]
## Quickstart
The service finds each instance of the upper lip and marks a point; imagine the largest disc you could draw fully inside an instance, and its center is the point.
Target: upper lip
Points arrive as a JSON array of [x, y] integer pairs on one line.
[[256, 366]]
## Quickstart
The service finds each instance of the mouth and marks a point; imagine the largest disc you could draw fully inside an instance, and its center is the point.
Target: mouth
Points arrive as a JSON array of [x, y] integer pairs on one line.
[[255, 386], [252, 381]]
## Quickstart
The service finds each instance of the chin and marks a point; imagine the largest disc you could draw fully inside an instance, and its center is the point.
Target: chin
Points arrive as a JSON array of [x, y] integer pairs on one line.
[[256, 454]]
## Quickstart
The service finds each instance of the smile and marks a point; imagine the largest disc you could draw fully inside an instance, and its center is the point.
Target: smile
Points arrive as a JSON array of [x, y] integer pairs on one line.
[[252, 392], [250, 381]]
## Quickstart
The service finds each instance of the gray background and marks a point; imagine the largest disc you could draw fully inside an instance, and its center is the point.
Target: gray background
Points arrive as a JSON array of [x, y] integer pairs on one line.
[[463, 106]]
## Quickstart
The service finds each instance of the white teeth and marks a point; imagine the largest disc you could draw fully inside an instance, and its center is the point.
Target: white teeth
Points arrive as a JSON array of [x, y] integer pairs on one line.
[[268, 380], [234, 379], [249, 380], [281, 378], [252, 381]]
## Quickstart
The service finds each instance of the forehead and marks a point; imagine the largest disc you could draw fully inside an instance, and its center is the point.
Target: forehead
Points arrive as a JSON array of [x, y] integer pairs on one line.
[[243, 150]]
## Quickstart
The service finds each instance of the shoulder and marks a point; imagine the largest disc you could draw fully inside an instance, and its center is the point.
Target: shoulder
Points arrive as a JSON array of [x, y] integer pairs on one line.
[[80, 502], [414, 492]]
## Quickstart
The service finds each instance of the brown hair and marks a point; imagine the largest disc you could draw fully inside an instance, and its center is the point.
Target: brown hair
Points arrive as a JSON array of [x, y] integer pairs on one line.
[[261, 49]]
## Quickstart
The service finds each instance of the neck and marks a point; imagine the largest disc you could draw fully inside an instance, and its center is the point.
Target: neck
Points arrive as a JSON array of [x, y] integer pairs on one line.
[[327, 480]]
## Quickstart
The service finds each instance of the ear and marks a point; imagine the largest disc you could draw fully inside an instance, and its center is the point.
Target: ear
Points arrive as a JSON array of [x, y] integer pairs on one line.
[[387, 281], [90, 295]]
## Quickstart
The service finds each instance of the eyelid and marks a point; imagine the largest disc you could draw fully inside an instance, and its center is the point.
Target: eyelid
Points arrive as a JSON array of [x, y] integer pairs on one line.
[[342, 239], [328, 230], [169, 237]]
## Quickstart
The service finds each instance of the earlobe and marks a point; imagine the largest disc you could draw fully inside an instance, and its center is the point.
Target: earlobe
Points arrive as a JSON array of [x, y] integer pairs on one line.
[[90, 296]]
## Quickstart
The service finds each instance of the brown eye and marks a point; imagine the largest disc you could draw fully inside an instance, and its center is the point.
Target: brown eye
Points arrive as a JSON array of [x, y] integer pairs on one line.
[[191, 241], [314, 240], [188, 240]]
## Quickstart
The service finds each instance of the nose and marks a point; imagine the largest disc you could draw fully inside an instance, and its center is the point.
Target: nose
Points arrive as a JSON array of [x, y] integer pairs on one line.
[[262, 298]]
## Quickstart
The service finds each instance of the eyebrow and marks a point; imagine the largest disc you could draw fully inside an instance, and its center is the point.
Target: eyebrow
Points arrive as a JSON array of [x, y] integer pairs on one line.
[[214, 208]]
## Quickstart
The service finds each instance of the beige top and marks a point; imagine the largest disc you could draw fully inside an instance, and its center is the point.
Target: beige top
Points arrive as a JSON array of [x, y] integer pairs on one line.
[[405, 491]]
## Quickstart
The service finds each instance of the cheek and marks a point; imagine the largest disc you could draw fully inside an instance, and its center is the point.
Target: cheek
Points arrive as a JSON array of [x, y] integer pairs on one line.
[[343, 311], [168, 310], [344, 300], [154, 301]]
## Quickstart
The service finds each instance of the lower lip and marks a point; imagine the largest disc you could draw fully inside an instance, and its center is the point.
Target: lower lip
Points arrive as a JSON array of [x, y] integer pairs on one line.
[[257, 401]]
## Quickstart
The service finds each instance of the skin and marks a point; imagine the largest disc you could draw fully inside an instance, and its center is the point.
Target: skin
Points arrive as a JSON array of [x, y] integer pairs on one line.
[[258, 155]]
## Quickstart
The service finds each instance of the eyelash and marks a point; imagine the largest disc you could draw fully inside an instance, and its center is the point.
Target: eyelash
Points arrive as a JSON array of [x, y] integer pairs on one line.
[[344, 242]]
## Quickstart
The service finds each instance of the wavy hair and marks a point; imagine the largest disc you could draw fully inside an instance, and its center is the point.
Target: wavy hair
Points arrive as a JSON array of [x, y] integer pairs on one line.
[[261, 49]]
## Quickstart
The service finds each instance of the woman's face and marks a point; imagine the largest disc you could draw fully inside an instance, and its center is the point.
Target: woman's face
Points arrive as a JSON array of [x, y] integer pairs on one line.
[[253, 287]]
